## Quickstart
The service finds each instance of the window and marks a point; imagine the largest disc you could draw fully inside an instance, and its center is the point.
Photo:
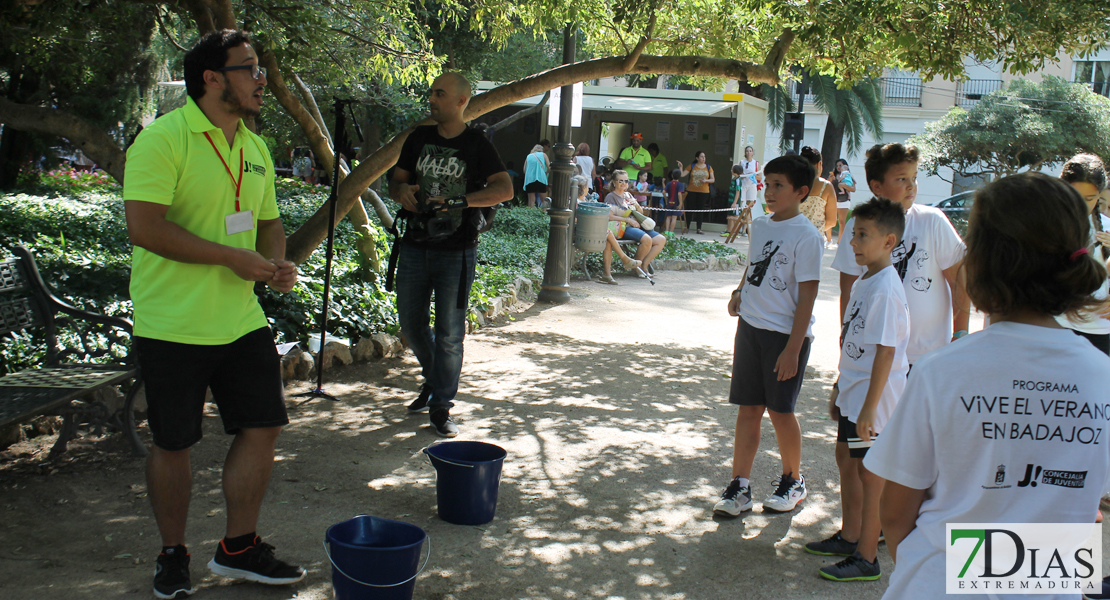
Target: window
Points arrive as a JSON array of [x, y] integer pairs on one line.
[[1096, 73]]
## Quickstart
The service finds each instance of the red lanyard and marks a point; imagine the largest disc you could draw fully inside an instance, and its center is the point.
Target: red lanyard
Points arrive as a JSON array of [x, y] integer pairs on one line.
[[238, 184]]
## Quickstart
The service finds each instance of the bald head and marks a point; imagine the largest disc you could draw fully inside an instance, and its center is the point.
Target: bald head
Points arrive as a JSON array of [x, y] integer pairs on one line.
[[454, 82]]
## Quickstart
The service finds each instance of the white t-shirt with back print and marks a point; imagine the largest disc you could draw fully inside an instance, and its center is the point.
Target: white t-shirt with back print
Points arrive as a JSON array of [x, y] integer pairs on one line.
[[929, 246], [783, 254], [877, 316], [1007, 425], [1090, 322]]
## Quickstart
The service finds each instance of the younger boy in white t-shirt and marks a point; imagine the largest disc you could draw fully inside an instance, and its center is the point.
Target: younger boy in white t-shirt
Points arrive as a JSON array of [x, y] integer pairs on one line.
[[927, 259], [873, 368], [775, 305]]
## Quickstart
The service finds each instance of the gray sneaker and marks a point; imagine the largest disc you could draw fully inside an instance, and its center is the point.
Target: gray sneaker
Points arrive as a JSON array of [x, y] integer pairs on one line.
[[853, 568], [788, 494], [735, 499], [834, 546], [442, 423]]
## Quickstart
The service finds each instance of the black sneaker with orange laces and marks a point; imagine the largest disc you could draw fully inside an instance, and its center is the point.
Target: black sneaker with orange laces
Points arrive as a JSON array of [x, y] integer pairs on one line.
[[171, 574], [255, 563]]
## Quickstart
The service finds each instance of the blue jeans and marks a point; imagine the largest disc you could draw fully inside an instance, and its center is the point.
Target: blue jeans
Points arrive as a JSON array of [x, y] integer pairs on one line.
[[419, 273]]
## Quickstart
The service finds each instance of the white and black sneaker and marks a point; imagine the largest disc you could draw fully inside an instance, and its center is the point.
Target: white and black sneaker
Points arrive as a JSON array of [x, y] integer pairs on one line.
[[735, 499], [442, 423], [421, 403], [787, 495]]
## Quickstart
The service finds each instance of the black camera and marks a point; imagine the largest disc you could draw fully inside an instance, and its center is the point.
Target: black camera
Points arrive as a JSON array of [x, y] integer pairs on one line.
[[436, 219]]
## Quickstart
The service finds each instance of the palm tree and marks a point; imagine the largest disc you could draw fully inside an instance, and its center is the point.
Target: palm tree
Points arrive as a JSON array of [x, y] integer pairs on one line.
[[851, 112]]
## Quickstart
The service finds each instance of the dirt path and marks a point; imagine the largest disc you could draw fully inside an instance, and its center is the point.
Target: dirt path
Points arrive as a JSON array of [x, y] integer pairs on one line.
[[613, 409]]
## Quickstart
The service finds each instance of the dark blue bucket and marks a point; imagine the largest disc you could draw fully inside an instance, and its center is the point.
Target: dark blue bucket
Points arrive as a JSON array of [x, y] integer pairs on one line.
[[467, 477], [374, 559]]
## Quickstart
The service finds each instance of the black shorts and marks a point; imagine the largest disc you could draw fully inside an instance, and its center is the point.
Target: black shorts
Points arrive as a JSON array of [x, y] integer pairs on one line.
[[245, 377], [846, 434], [536, 187], [754, 381]]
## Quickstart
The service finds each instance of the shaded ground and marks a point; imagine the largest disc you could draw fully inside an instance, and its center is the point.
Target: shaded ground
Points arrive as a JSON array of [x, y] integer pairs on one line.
[[613, 409]]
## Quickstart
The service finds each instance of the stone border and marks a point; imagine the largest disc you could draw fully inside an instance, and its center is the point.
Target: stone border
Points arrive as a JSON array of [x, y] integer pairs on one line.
[[709, 263]]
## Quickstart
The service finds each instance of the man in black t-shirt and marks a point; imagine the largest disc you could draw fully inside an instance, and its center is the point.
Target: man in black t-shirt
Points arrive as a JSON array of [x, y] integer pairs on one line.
[[440, 162]]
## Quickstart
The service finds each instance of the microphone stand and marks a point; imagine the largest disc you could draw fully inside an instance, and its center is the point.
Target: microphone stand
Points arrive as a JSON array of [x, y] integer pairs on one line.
[[339, 142]]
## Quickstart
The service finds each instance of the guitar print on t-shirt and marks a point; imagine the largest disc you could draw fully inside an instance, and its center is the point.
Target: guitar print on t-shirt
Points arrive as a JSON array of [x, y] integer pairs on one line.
[[761, 266]]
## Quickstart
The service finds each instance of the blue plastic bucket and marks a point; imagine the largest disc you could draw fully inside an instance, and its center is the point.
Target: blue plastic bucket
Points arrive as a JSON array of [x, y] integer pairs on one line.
[[467, 477], [374, 559]]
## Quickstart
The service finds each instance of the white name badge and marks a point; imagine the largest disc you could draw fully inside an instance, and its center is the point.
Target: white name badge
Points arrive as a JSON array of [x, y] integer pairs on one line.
[[239, 222]]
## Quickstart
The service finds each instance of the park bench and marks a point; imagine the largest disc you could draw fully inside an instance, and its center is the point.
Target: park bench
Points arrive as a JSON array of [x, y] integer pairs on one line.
[[65, 383]]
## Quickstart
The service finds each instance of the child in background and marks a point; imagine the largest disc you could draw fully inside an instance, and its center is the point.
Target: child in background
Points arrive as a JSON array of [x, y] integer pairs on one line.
[[775, 305], [873, 369], [642, 189], [673, 195], [946, 462], [735, 220]]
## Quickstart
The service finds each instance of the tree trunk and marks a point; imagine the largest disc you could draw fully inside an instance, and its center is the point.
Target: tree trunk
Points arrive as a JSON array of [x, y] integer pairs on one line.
[[302, 242], [831, 145], [94, 142]]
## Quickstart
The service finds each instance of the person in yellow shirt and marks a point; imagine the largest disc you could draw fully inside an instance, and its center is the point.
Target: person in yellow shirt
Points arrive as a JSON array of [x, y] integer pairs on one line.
[[203, 219], [635, 158]]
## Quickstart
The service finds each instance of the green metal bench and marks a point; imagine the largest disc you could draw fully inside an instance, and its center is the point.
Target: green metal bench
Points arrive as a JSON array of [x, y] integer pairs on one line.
[[68, 377]]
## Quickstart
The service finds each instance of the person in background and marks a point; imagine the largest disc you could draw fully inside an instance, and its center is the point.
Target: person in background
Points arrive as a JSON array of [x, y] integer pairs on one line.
[[641, 191], [674, 195], [634, 158], [697, 191], [844, 185], [820, 207], [753, 178], [1087, 174], [586, 163], [621, 205], [611, 244], [659, 165], [535, 176]]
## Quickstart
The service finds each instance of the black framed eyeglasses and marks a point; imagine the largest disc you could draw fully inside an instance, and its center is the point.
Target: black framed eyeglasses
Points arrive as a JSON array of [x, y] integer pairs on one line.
[[256, 71]]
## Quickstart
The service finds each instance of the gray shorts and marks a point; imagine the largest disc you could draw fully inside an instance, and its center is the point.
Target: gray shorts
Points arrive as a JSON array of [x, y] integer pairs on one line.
[[754, 381]]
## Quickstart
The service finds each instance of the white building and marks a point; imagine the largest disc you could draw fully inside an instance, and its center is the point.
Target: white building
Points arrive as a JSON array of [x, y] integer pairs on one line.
[[909, 103]]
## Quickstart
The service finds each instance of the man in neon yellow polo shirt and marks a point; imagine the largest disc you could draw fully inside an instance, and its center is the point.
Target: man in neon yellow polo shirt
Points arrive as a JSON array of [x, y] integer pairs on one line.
[[201, 213], [635, 158]]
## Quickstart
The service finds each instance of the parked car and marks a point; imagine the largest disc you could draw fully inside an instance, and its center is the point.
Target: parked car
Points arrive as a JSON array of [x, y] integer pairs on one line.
[[957, 208]]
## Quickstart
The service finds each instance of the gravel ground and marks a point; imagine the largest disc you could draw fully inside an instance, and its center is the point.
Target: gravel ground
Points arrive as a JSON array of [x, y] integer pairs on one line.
[[613, 410]]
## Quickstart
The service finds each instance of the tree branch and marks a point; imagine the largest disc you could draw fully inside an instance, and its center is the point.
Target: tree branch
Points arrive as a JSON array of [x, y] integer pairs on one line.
[[778, 51], [303, 241], [379, 47], [523, 113], [312, 106], [630, 60], [165, 31], [93, 141]]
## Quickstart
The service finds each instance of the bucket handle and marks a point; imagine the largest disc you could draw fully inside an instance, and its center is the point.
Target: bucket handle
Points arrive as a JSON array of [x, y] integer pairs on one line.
[[441, 459], [428, 539]]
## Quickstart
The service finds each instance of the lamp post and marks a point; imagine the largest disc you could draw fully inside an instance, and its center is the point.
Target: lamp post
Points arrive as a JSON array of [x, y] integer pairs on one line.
[[556, 269]]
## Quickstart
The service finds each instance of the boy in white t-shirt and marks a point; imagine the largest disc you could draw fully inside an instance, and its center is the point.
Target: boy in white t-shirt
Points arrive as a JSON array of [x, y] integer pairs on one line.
[[928, 261], [1015, 439], [873, 369], [775, 305]]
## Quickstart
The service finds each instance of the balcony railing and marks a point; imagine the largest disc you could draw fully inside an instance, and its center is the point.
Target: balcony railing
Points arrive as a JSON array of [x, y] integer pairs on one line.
[[792, 90], [901, 91], [969, 92], [1098, 87]]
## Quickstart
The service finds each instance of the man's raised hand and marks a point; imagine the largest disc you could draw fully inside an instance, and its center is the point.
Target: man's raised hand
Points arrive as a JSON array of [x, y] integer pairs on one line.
[[406, 195], [285, 277], [251, 266]]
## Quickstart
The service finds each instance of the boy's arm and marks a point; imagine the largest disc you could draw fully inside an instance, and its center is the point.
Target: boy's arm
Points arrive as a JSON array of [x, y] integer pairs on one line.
[[734, 301], [961, 304], [787, 364], [898, 509], [880, 371]]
